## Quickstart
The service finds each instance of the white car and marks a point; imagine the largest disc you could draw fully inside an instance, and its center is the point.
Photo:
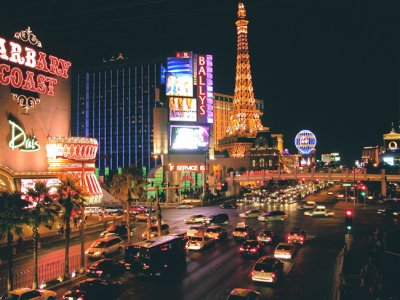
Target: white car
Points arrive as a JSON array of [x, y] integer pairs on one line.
[[28, 293], [267, 269], [196, 219], [253, 213], [284, 251], [196, 230], [308, 205], [319, 211], [184, 205], [199, 242]]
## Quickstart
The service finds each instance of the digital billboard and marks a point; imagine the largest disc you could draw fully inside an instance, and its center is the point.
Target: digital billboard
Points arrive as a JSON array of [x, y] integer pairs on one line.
[[189, 137], [182, 109], [179, 84]]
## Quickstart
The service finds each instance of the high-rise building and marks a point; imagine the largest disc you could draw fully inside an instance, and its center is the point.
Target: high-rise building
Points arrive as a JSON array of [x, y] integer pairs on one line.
[[245, 119], [113, 102]]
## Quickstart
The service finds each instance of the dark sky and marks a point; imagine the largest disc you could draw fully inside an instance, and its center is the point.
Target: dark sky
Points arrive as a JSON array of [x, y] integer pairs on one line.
[[330, 66]]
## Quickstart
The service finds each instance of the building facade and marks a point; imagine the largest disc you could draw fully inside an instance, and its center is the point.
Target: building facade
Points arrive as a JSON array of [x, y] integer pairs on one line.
[[113, 102]]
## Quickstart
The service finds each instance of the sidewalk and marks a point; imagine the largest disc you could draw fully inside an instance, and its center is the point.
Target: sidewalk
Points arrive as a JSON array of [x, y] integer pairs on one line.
[[24, 246]]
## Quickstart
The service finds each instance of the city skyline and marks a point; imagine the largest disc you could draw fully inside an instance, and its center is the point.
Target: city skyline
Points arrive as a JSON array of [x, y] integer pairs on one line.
[[330, 68]]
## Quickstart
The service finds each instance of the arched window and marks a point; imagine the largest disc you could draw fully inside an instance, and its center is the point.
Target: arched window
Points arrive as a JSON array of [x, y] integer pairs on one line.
[[262, 162]]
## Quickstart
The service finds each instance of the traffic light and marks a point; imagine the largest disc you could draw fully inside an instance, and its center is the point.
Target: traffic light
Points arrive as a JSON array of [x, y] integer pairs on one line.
[[349, 220]]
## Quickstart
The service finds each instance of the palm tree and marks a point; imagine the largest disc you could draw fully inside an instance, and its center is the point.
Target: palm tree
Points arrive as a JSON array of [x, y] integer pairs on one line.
[[125, 185], [13, 217], [69, 197], [42, 213]]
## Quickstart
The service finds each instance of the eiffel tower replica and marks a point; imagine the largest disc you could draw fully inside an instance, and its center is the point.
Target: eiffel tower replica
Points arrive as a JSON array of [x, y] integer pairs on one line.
[[245, 120]]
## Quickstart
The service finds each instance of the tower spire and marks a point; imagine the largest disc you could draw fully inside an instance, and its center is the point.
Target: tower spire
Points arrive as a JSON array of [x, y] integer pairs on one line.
[[245, 118]]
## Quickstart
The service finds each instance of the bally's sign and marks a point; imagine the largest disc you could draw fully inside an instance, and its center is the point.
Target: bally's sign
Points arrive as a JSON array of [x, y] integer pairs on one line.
[[28, 69], [21, 140]]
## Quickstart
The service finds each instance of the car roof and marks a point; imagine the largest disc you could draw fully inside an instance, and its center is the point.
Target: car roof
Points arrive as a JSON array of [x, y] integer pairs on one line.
[[108, 238], [20, 291], [214, 227]]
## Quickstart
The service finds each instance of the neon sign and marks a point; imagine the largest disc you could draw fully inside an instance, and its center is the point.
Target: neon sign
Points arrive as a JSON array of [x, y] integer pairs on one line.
[[205, 88], [187, 168], [20, 140], [33, 61]]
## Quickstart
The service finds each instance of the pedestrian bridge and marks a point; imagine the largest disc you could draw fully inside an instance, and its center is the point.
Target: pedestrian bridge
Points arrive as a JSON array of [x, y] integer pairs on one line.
[[266, 175]]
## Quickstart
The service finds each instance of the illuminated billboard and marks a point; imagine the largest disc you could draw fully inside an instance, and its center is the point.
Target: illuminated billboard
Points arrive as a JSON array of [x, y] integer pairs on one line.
[[305, 141], [182, 109], [189, 137], [179, 84]]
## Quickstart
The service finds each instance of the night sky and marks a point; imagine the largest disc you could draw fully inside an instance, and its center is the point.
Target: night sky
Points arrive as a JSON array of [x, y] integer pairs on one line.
[[331, 67]]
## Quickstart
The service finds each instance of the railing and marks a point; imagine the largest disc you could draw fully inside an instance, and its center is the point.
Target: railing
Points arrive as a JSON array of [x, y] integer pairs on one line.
[[46, 273]]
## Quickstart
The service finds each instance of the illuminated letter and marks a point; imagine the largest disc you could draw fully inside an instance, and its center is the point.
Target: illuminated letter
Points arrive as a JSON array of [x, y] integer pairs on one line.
[[29, 83], [64, 66], [41, 84], [52, 82], [16, 53], [5, 80], [16, 77], [202, 71], [41, 63], [30, 57], [3, 51], [17, 133], [202, 61], [54, 66]]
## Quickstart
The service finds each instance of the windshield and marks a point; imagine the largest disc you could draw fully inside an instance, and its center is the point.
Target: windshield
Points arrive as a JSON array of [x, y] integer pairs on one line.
[[212, 230], [284, 247], [266, 267], [239, 229], [10, 296], [99, 244], [196, 239]]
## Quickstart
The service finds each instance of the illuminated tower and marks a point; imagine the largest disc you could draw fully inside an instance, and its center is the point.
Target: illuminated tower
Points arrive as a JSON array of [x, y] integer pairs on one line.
[[245, 120]]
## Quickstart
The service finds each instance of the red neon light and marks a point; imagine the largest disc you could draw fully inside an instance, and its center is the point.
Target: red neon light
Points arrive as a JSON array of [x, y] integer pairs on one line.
[[201, 85]]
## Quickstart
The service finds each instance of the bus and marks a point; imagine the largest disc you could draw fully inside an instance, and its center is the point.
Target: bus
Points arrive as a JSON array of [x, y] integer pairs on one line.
[[156, 256]]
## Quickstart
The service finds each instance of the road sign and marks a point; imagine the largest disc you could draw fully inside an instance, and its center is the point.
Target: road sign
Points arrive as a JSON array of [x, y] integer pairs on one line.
[[346, 184]]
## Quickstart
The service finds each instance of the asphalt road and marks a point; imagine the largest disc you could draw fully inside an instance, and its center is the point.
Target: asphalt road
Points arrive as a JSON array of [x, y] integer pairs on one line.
[[214, 272]]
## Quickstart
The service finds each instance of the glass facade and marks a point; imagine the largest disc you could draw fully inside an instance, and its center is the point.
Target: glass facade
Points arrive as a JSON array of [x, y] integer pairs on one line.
[[113, 102]]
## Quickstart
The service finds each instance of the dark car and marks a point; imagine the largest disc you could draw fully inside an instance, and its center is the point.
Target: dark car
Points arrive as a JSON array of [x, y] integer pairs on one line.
[[94, 288], [229, 205], [251, 248], [105, 268], [266, 236], [296, 236], [119, 230], [217, 219]]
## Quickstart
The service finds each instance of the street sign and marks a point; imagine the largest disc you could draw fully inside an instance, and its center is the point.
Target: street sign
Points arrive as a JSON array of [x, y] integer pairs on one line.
[[346, 184]]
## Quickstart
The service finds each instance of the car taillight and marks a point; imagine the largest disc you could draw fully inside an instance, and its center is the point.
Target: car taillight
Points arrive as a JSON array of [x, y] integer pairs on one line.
[[241, 249], [80, 298], [197, 244], [245, 233], [288, 237], [99, 272], [273, 275], [268, 239], [252, 273], [302, 238], [253, 250]]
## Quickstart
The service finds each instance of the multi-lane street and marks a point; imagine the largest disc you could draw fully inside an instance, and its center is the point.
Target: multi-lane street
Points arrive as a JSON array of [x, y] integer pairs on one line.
[[213, 272]]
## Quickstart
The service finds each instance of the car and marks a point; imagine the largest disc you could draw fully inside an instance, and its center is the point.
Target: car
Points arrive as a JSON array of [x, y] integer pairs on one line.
[[93, 288], [199, 242], [28, 293], [251, 248], [194, 230], [389, 211], [92, 210], [184, 205], [216, 232], [267, 269], [154, 231], [143, 217], [252, 213], [308, 205], [105, 268], [119, 230], [319, 211], [195, 219], [284, 251], [229, 205], [105, 246], [296, 236], [217, 219], [137, 209], [243, 294], [276, 215], [340, 195], [330, 193], [266, 236], [243, 232]]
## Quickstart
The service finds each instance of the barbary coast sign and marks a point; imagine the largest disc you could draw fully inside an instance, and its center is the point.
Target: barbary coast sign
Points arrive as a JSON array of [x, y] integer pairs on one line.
[[30, 70]]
